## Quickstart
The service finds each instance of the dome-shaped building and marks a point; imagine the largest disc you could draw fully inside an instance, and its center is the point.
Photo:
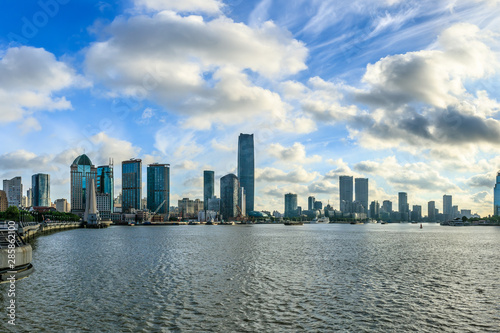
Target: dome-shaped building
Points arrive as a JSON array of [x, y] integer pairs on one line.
[[82, 171]]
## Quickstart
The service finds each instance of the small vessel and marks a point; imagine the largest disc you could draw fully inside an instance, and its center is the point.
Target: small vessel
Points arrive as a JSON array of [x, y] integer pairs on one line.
[[420, 225], [324, 219], [293, 223]]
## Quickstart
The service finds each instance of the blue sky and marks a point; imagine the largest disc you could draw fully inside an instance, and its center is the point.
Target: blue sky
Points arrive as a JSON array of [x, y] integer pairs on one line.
[[404, 93]]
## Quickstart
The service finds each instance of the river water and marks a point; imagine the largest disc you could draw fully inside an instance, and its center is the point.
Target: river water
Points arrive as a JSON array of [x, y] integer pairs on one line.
[[262, 278]]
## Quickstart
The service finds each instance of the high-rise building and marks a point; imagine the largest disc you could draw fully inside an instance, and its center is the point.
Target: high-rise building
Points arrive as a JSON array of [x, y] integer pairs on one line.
[[246, 168], [387, 206], [14, 190], [431, 211], [131, 184], [40, 184], [29, 196], [158, 187], [416, 213], [291, 205], [447, 207], [345, 191], [214, 204], [361, 192], [105, 185], [229, 196], [374, 210], [82, 171], [454, 211], [403, 205], [208, 187], [318, 205], [496, 196], [310, 203]]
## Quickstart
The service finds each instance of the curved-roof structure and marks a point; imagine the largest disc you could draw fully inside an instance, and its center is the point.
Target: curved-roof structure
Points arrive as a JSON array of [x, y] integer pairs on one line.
[[82, 160]]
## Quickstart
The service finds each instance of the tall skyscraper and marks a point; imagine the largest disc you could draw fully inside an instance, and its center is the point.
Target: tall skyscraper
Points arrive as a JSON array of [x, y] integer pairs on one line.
[[345, 189], [374, 210], [229, 196], [208, 187], [416, 213], [310, 202], [361, 192], [387, 206], [158, 187], [447, 207], [403, 205], [246, 168], [131, 184], [496, 196], [14, 190], [82, 171], [431, 211], [291, 205], [106, 184], [40, 184]]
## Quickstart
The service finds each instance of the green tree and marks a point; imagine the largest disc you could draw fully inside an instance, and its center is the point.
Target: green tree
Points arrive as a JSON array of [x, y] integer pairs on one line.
[[12, 213]]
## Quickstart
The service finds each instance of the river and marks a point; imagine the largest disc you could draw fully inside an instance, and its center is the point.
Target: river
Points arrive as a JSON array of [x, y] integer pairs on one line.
[[262, 278]]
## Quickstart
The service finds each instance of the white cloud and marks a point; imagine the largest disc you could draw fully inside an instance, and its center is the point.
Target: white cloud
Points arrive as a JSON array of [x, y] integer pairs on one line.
[[296, 153], [29, 78], [203, 6], [297, 175]]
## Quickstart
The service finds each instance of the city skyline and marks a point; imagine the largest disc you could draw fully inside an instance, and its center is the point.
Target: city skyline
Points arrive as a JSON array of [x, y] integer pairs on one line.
[[404, 94]]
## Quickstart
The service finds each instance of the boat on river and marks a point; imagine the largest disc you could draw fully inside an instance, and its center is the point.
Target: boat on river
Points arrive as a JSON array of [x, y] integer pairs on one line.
[[293, 223]]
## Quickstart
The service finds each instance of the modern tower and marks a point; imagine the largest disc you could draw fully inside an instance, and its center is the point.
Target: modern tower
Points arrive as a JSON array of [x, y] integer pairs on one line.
[[82, 171], [496, 196], [14, 190], [403, 205], [158, 187], [361, 192], [229, 196], [447, 206], [374, 210], [345, 189], [290, 205], [208, 187], [105, 183], [387, 206], [431, 211], [40, 183], [310, 202], [131, 184], [246, 168]]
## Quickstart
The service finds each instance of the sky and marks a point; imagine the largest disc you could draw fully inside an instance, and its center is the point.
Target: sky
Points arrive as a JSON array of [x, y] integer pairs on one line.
[[405, 93]]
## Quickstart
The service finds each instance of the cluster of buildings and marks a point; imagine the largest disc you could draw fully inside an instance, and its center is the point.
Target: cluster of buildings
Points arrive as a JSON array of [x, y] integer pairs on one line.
[[237, 193], [354, 204], [92, 186]]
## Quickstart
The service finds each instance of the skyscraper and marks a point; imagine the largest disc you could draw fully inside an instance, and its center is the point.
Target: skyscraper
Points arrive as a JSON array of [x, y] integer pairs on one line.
[[496, 196], [416, 213], [82, 171], [246, 168], [106, 184], [361, 192], [229, 196], [431, 211], [374, 210], [131, 184], [291, 205], [40, 183], [403, 205], [310, 202], [387, 206], [345, 189], [208, 187], [447, 207], [14, 190], [158, 187]]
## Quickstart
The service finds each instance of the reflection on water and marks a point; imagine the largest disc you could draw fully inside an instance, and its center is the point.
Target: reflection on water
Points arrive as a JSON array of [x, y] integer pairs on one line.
[[263, 278]]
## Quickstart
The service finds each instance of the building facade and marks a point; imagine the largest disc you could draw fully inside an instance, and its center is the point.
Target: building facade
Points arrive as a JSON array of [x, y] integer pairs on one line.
[[374, 210], [431, 211], [403, 206], [291, 208], [208, 187], [158, 188], [82, 172], [361, 192], [345, 191], [496, 196], [310, 203], [40, 185], [229, 196], [447, 207], [131, 185], [105, 185], [14, 190], [61, 205], [4, 203], [246, 168]]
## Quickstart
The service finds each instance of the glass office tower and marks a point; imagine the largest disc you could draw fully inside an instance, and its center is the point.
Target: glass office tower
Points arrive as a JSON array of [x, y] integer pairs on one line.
[[158, 187], [246, 168], [40, 183], [82, 171], [208, 187], [131, 184]]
